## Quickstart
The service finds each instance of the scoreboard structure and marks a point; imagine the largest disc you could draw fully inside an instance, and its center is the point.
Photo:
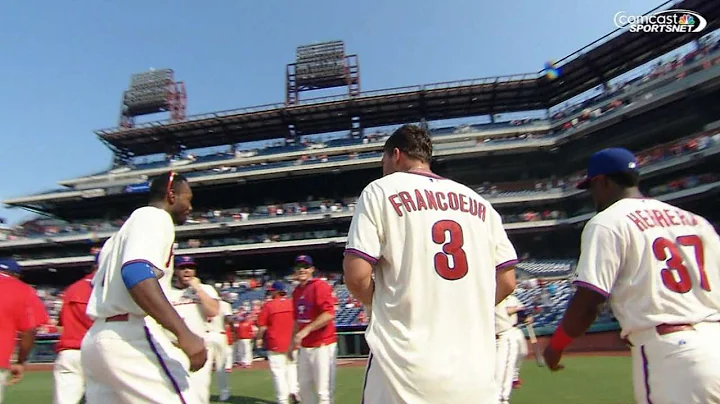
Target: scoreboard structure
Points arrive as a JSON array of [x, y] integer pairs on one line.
[[321, 66]]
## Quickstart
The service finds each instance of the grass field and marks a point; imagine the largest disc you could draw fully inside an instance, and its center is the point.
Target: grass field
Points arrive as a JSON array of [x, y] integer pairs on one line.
[[586, 380]]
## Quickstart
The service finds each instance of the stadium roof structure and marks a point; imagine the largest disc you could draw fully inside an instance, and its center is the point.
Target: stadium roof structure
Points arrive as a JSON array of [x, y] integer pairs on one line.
[[591, 66]]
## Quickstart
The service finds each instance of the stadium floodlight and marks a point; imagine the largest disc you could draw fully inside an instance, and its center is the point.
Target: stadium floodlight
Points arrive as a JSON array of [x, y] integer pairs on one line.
[[152, 92], [320, 66]]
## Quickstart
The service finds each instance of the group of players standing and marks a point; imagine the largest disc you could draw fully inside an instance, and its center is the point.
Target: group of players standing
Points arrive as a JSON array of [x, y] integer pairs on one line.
[[431, 261]]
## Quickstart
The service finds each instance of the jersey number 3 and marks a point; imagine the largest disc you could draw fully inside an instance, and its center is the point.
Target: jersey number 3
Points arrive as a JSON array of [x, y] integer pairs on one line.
[[669, 251], [451, 263]]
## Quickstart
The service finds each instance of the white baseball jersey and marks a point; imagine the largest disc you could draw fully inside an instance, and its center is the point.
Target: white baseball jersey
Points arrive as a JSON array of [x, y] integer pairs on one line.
[[657, 263], [147, 236], [217, 323], [436, 245], [503, 320], [187, 304]]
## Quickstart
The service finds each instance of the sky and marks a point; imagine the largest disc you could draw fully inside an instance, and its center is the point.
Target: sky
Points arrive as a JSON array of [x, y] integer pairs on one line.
[[65, 65]]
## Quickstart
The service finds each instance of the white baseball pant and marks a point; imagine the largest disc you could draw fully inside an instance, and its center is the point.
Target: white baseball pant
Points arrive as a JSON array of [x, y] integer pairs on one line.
[[677, 368], [200, 380], [228, 357], [375, 388], [522, 351], [69, 386], [316, 374], [134, 362], [221, 359], [507, 348], [4, 374], [284, 373], [245, 352]]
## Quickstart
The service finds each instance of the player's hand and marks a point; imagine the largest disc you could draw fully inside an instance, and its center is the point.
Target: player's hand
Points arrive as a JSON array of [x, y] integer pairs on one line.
[[194, 347], [552, 359], [16, 373], [195, 283], [259, 343], [297, 341]]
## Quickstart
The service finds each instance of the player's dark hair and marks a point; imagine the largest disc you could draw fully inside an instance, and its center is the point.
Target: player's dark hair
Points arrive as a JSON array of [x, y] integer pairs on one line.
[[628, 179], [411, 140], [160, 185]]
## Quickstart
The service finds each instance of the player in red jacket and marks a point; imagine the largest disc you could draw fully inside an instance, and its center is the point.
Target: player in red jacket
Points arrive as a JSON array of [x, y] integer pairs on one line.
[[68, 371], [245, 335], [21, 312], [276, 325], [314, 332]]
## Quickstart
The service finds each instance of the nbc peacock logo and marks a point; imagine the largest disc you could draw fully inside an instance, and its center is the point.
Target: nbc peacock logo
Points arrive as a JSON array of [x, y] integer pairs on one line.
[[686, 19]]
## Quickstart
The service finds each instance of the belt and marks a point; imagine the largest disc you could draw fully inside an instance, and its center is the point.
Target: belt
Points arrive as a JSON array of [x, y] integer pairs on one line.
[[118, 318], [664, 329]]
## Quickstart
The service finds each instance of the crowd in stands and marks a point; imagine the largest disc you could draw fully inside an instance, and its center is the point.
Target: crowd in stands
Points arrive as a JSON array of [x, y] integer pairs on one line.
[[657, 154]]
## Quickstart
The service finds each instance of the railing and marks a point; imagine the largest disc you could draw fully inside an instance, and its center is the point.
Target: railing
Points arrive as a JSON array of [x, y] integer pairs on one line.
[[351, 344]]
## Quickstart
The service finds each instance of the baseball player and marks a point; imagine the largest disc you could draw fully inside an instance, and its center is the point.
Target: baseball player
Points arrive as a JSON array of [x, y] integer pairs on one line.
[[21, 312], [244, 344], [657, 264], [126, 355], [69, 386], [221, 341], [510, 346], [441, 262], [314, 332], [276, 325], [519, 316], [196, 303]]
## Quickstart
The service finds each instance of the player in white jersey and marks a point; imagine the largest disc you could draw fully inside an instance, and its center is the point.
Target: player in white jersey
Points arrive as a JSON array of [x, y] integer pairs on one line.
[[222, 355], [510, 346], [442, 261], [658, 265], [196, 303], [519, 316], [126, 355]]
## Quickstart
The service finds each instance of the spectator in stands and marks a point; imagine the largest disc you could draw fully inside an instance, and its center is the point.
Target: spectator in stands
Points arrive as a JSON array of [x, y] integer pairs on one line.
[[21, 312], [69, 386]]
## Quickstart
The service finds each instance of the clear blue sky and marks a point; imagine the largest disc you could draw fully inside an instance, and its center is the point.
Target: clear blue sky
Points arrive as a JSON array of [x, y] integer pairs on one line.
[[65, 64]]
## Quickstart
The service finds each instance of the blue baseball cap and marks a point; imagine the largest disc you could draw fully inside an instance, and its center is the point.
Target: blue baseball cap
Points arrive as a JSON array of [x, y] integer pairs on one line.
[[185, 261], [304, 259], [278, 286], [10, 265], [609, 161]]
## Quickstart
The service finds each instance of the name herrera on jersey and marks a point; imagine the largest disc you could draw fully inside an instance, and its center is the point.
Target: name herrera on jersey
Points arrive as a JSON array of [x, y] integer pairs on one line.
[[648, 218], [417, 200]]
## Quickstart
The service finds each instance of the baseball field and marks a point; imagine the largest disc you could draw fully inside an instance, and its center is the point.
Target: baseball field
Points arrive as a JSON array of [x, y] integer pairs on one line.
[[587, 379]]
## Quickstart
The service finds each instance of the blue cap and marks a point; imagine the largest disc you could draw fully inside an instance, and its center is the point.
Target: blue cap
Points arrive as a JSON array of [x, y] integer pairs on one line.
[[609, 161], [10, 265], [304, 259], [278, 286], [185, 261]]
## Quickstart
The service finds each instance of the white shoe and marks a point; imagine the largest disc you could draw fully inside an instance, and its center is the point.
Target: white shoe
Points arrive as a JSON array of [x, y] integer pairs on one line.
[[224, 396]]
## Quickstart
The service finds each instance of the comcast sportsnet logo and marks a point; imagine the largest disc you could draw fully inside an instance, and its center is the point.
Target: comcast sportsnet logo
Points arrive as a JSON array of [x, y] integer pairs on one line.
[[662, 21]]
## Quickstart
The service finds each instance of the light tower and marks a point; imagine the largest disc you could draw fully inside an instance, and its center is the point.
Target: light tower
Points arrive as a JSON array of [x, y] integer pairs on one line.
[[320, 66], [152, 92]]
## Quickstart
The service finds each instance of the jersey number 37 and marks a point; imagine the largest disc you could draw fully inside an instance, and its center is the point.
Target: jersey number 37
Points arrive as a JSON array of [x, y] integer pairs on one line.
[[669, 251], [452, 262]]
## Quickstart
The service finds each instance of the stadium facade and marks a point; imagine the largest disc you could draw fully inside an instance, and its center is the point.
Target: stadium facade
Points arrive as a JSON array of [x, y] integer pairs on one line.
[[656, 94]]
